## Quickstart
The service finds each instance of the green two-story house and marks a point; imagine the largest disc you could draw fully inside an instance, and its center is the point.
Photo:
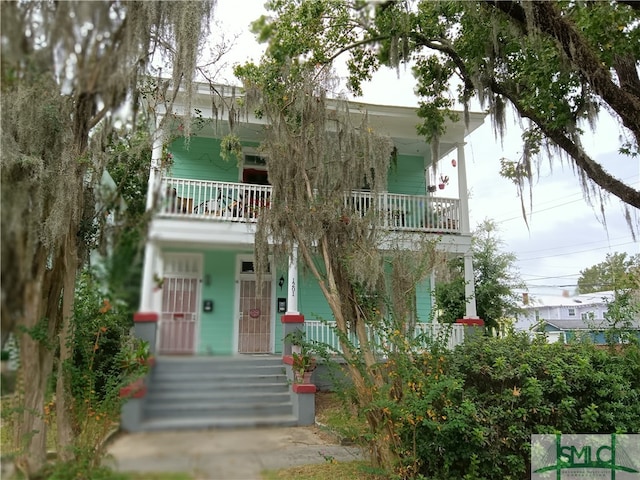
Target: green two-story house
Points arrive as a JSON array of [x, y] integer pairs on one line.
[[199, 265], [218, 339]]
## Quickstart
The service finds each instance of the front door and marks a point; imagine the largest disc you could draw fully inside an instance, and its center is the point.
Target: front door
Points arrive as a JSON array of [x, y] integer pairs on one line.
[[254, 334], [180, 293]]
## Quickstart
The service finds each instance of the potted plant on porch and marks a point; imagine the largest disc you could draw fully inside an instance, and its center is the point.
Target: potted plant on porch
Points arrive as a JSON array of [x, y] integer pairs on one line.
[[296, 339], [303, 365]]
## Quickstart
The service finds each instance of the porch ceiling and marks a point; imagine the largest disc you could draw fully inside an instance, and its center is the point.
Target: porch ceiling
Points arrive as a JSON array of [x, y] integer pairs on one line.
[[398, 122]]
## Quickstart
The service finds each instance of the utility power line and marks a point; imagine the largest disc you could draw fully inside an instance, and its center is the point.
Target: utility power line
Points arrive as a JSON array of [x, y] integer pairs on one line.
[[574, 253], [572, 246]]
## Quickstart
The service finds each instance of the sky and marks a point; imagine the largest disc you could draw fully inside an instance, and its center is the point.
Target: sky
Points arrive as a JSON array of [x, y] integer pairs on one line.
[[565, 234]]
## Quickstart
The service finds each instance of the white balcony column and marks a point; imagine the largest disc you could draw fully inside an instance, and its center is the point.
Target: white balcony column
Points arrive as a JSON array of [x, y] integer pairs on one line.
[[292, 286], [151, 250], [154, 171], [463, 191]]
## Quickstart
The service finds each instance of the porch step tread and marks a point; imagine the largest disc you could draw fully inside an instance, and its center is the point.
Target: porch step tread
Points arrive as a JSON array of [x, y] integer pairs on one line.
[[236, 396], [187, 410], [218, 403], [240, 373], [222, 378], [208, 368], [223, 361], [213, 422], [200, 388]]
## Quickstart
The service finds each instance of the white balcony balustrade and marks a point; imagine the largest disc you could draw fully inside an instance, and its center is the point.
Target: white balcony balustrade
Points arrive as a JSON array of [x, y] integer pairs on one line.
[[242, 202]]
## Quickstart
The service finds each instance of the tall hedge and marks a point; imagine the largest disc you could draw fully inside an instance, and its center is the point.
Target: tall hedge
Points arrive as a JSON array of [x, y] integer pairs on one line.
[[470, 413]]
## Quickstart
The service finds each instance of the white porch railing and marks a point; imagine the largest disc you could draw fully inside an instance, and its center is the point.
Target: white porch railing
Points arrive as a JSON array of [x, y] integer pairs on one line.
[[239, 202], [324, 332], [242, 202]]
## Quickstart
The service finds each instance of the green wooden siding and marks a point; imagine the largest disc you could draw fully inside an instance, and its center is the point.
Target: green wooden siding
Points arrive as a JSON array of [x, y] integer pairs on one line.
[[311, 301], [423, 300], [280, 292], [217, 327], [408, 176], [314, 306], [200, 160]]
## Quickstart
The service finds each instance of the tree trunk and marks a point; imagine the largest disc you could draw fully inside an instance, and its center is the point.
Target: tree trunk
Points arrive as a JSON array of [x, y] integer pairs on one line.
[[364, 379], [64, 398], [36, 365]]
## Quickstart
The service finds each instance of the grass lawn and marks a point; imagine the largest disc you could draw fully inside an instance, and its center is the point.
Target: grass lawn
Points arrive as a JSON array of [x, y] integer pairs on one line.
[[342, 422], [159, 476], [333, 471]]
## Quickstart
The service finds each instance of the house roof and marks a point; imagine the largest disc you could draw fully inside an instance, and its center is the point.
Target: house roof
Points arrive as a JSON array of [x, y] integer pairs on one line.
[[579, 324], [586, 299]]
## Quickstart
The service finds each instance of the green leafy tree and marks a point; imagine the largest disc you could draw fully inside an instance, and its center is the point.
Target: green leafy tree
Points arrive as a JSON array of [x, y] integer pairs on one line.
[[495, 281], [557, 64], [616, 272]]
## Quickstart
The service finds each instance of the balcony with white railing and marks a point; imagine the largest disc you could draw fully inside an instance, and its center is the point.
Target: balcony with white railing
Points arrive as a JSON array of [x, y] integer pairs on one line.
[[325, 332], [242, 202]]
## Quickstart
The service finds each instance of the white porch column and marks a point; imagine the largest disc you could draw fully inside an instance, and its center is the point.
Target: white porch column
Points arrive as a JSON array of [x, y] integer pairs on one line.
[[151, 250], [292, 286], [465, 227], [156, 296], [463, 191], [148, 270], [469, 287]]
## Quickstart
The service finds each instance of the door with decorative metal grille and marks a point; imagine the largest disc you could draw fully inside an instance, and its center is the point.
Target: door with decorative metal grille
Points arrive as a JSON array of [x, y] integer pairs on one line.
[[255, 317], [180, 293]]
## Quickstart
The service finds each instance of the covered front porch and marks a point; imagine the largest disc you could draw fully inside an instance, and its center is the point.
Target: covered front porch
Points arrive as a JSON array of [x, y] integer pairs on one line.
[[176, 336]]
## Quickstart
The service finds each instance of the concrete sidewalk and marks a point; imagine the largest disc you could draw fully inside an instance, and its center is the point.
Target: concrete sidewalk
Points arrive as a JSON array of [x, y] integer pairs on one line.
[[224, 454]]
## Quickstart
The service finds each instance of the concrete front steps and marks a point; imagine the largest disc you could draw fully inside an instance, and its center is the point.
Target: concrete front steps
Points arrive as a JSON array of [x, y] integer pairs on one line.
[[217, 392]]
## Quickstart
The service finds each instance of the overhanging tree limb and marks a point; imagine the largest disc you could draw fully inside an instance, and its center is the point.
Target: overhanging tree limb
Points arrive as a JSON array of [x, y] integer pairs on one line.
[[547, 19], [590, 167]]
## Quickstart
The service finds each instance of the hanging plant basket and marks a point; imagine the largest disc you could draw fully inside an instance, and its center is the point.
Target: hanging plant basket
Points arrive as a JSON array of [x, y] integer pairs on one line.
[[431, 188]]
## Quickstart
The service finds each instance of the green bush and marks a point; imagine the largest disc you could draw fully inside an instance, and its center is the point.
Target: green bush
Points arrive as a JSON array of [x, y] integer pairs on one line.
[[100, 331], [470, 413], [105, 358]]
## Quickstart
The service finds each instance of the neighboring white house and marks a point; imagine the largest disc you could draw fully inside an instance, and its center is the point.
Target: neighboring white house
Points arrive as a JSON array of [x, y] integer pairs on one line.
[[562, 317]]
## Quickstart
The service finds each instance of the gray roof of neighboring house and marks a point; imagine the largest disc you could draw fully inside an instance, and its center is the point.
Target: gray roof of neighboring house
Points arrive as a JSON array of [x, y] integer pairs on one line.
[[595, 298], [579, 324]]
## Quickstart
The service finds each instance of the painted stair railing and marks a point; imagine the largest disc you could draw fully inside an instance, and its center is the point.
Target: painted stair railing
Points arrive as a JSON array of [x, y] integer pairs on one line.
[[242, 202]]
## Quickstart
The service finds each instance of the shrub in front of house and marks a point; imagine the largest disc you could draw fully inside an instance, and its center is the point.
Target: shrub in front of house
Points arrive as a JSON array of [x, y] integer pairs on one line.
[[470, 413]]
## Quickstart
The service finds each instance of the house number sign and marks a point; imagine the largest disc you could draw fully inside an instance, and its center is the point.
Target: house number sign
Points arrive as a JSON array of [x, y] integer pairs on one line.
[[254, 312]]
